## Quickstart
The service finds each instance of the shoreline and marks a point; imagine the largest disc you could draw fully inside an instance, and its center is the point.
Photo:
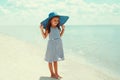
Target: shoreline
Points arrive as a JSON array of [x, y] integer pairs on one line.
[[82, 60]]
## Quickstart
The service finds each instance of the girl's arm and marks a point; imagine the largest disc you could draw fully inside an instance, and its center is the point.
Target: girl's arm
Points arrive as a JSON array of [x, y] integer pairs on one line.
[[44, 33], [62, 31]]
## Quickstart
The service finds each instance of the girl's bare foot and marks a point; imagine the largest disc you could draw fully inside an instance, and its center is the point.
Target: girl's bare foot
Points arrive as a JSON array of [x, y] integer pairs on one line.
[[58, 76]]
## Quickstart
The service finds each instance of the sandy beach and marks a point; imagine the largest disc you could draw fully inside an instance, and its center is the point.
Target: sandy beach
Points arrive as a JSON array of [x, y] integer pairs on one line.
[[20, 60]]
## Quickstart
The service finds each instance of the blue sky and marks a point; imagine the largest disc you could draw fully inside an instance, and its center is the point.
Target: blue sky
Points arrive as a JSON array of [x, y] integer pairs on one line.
[[81, 12], [104, 1]]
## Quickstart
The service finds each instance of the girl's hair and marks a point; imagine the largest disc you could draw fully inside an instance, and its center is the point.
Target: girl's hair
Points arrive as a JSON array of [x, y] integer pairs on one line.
[[49, 24]]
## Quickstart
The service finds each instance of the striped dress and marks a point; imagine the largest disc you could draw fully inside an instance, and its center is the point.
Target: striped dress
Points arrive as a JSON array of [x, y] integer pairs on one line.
[[54, 50]]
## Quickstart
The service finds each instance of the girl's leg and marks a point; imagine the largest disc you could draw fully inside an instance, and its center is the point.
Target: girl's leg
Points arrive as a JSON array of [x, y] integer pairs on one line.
[[51, 69], [56, 69]]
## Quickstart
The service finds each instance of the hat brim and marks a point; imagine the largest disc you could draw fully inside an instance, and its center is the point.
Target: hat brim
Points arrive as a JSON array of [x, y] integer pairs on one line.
[[63, 20]]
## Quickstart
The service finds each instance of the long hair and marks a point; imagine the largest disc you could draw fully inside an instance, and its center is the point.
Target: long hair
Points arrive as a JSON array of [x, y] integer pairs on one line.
[[49, 24]]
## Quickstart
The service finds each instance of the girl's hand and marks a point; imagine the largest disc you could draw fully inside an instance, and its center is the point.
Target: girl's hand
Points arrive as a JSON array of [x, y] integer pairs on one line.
[[41, 27], [62, 31], [63, 27]]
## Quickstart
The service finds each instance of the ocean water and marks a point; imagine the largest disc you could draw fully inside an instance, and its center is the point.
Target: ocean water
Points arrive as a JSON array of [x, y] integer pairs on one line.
[[98, 44]]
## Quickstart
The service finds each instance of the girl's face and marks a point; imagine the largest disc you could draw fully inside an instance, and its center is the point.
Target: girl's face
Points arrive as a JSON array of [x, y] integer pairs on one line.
[[54, 21]]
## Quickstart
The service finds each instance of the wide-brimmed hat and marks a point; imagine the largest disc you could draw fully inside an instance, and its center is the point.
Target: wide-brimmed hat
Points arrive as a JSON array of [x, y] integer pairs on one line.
[[62, 19]]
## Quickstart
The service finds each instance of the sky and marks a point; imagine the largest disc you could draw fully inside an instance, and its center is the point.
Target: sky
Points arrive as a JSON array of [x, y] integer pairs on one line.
[[81, 12]]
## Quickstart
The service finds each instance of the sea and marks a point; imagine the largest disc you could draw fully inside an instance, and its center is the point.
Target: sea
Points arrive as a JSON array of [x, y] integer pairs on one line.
[[97, 44]]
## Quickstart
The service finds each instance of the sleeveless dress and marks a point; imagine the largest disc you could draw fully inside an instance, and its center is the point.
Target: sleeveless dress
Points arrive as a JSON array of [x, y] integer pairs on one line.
[[54, 50]]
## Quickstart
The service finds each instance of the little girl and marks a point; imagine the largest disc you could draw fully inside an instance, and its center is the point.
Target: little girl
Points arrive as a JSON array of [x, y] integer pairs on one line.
[[54, 50]]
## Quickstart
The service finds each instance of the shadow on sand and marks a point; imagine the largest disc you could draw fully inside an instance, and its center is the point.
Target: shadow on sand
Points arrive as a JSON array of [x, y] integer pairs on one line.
[[47, 78]]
